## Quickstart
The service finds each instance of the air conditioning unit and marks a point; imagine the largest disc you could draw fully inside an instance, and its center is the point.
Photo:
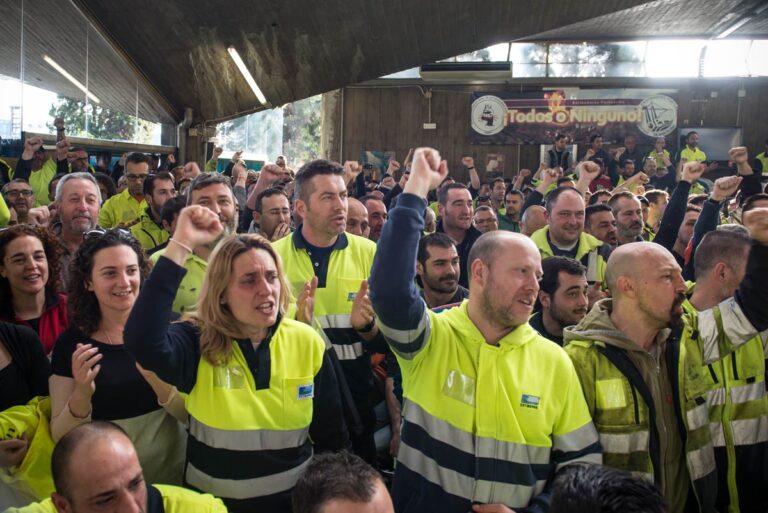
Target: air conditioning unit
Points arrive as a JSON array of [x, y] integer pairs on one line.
[[466, 71]]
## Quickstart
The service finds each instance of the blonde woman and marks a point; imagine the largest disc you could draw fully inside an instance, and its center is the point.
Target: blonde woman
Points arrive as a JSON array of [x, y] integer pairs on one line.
[[261, 390]]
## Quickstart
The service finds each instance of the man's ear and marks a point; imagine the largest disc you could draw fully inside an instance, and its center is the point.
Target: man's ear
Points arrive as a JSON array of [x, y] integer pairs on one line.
[[300, 207], [545, 299], [478, 272], [62, 504], [626, 286], [720, 270]]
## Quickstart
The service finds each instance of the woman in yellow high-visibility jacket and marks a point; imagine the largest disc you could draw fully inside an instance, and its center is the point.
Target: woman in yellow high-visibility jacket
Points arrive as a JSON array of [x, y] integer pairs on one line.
[[261, 389]]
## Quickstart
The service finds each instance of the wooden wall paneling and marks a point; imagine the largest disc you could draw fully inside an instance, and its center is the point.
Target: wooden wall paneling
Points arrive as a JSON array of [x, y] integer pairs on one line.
[[401, 112]]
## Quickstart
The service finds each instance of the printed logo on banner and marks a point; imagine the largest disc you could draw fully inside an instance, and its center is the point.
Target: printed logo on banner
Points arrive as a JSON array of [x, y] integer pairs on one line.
[[488, 115], [659, 115]]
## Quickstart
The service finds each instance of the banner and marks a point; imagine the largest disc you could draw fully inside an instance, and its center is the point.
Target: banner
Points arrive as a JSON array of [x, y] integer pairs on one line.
[[535, 118]]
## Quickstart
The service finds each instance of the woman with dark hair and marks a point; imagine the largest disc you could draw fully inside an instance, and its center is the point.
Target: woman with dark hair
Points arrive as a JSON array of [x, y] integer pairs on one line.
[[262, 392], [30, 262], [93, 377]]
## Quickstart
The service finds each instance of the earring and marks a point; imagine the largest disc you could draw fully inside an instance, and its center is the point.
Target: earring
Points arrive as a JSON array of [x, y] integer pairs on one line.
[[222, 301]]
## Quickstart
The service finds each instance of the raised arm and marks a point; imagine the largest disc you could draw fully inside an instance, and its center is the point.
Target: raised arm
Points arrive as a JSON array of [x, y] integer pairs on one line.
[[710, 216], [170, 351], [402, 314], [675, 211], [474, 178]]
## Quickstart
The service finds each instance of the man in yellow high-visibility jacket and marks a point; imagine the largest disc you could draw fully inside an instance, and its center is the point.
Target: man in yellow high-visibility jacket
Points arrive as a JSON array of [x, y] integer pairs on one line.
[[95, 468], [492, 408]]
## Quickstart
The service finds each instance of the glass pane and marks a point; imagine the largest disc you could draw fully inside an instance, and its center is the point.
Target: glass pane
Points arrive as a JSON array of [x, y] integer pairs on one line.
[[10, 75], [757, 62], [524, 53], [292, 130], [726, 58], [499, 52], [563, 53], [493, 53], [630, 51], [673, 58], [408, 73], [529, 70]]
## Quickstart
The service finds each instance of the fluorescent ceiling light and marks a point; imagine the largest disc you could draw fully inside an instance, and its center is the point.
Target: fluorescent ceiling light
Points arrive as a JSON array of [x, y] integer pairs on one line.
[[247, 75], [55, 65], [734, 27]]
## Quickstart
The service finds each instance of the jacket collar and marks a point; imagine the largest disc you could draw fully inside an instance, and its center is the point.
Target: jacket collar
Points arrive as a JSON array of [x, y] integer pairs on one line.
[[300, 242]]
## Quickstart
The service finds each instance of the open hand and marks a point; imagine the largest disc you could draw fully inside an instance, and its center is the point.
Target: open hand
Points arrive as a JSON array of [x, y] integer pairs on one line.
[[305, 304], [362, 308]]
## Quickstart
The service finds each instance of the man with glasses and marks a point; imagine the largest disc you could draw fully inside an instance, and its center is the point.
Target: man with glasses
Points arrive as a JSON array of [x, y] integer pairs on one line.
[[149, 230], [19, 196], [123, 210]]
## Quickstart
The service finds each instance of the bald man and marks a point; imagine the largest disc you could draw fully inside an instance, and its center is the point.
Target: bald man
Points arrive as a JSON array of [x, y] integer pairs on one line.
[[467, 406], [357, 218], [641, 364], [534, 218], [95, 469]]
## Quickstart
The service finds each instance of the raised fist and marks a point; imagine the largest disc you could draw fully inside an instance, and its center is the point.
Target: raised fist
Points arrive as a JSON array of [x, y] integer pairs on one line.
[[725, 187], [468, 161], [756, 220]]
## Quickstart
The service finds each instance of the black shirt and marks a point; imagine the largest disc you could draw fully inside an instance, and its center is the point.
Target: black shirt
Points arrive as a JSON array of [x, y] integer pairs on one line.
[[460, 295], [537, 322], [463, 250], [27, 374], [121, 391]]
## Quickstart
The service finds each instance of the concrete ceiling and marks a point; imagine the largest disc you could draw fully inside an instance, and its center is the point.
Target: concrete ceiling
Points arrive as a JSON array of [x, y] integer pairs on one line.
[[172, 53]]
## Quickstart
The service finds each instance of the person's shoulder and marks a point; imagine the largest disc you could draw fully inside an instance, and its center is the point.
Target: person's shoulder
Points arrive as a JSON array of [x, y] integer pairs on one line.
[[177, 499], [71, 336], [283, 243], [295, 326], [45, 506], [549, 351], [361, 242], [11, 333]]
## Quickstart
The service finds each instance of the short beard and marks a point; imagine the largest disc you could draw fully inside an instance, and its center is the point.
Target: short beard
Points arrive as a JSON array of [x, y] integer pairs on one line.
[[437, 286], [629, 233]]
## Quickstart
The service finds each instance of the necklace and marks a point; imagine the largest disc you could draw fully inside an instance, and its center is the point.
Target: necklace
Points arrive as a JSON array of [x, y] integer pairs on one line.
[[109, 339]]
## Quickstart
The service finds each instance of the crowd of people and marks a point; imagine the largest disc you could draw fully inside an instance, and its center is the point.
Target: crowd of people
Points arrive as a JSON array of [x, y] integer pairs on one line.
[[588, 337]]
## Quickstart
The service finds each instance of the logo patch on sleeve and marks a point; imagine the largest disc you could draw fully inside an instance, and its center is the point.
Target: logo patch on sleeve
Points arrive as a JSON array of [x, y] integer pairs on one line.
[[530, 401], [351, 296], [305, 391]]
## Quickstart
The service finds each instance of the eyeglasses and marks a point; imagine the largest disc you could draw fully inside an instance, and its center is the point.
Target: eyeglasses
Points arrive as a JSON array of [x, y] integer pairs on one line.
[[98, 233], [17, 193], [136, 178]]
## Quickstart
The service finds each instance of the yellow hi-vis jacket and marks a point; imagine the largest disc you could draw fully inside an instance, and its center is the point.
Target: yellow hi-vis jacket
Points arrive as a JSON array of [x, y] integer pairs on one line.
[[485, 423], [165, 498], [33, 476], [738, 415]]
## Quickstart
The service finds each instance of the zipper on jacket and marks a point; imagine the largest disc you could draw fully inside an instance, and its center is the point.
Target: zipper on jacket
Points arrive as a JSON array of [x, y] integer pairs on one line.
[[712, 373], [634, 402]]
